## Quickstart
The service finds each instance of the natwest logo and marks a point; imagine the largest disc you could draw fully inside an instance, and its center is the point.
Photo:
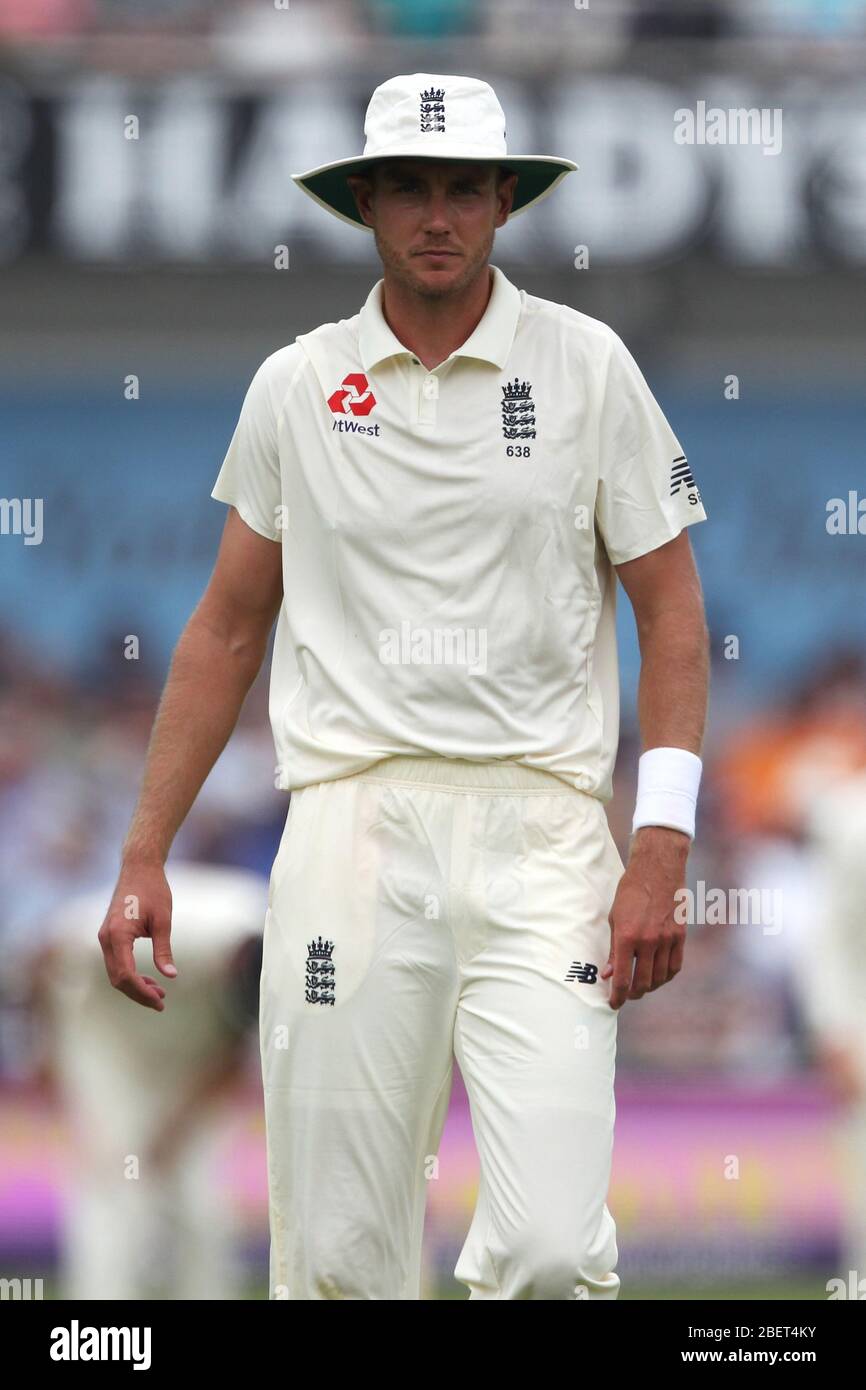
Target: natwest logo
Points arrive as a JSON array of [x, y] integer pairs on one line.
[[353, 397]]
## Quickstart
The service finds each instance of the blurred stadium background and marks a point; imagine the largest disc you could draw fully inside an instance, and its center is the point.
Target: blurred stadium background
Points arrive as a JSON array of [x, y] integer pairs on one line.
[[139, 294]]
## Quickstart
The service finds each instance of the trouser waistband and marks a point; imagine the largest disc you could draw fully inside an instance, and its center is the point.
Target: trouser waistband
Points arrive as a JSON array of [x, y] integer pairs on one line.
[[464, 774]]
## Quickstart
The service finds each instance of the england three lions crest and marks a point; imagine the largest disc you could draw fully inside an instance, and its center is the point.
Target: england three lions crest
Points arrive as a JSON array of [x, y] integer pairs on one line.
[[518, 410], [320, 972], [433, 110]]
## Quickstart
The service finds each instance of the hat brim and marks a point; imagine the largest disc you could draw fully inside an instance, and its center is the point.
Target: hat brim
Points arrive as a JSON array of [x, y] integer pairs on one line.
[[537, 176]]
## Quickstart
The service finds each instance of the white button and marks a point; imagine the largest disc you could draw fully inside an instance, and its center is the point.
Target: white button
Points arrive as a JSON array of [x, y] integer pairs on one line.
[[425, 398]]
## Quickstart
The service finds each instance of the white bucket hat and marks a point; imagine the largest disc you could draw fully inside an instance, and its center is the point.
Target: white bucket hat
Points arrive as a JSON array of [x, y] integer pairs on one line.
[[427, 116]]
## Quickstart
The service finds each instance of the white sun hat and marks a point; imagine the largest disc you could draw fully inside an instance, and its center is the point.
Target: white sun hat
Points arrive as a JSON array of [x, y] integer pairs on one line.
[[429, 116]]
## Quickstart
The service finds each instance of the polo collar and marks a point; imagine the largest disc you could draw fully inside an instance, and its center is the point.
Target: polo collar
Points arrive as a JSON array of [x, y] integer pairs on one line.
[[490, 341]]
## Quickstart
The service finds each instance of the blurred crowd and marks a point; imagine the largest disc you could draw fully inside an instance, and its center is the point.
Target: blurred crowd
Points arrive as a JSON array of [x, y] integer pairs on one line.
[[242, 29]]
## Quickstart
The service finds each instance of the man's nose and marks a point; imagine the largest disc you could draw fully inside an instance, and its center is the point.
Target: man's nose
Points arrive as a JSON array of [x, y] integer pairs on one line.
[[437, 210]]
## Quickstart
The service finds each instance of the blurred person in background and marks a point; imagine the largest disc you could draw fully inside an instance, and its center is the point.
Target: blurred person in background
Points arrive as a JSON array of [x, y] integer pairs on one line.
[[766, 772], [768, 765], [149, 1101], [831, 984]]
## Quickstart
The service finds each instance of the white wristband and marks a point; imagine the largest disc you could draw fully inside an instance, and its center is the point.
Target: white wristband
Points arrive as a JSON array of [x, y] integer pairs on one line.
[[667, 789]]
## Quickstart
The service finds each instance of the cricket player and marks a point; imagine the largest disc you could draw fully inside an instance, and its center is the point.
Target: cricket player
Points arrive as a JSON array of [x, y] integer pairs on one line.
[[830, 983], [148, 1100], [431, 497]]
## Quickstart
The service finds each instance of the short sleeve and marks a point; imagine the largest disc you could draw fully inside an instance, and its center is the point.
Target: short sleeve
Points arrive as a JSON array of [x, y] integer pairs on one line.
[[249, 478], [647, 492]]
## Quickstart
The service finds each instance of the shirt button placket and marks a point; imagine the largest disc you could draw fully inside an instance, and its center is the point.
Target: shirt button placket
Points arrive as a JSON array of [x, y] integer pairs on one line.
[[428, 400]]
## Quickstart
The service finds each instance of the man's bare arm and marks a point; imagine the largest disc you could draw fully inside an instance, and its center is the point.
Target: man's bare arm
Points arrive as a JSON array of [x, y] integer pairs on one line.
[[665, 592], [213, 666], [215, 662]]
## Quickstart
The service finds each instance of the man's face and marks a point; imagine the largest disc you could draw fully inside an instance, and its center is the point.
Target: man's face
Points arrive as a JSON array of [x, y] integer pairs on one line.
[[434, 222]]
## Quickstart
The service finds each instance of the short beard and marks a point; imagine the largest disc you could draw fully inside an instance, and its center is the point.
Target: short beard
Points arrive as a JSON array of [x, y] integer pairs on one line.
[[401, 271]]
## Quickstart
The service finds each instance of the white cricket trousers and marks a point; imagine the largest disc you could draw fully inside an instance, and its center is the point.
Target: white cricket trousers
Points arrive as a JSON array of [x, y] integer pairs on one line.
[[423, 910]]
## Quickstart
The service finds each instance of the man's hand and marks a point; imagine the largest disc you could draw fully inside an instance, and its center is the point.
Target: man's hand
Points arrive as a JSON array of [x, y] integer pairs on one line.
[[141, 906], [643, 929]]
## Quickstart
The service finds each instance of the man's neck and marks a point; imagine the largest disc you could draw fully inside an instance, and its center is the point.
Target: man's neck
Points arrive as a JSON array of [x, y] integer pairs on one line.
[[433, 328]]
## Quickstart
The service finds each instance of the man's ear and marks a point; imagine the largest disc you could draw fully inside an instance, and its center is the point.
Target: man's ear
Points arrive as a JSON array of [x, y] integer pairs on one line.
[[361, 186], [506, 179]]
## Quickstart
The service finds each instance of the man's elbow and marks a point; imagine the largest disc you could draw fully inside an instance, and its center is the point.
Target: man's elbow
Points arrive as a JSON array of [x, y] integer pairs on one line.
[[243, 634], [680, 623]]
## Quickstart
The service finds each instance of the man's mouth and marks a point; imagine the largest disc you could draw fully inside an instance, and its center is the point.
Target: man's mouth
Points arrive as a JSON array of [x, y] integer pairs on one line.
[[435, 253]]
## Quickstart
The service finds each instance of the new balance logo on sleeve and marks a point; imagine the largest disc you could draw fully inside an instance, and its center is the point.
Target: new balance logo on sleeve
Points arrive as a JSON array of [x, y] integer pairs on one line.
[[681, 476]]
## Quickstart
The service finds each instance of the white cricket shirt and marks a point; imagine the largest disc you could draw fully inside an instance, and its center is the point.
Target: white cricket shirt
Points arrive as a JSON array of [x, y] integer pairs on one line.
[[448, 537]]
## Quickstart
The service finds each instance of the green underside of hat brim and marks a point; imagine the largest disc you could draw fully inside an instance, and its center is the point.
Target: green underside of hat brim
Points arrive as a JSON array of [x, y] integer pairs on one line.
[[535, 179]]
